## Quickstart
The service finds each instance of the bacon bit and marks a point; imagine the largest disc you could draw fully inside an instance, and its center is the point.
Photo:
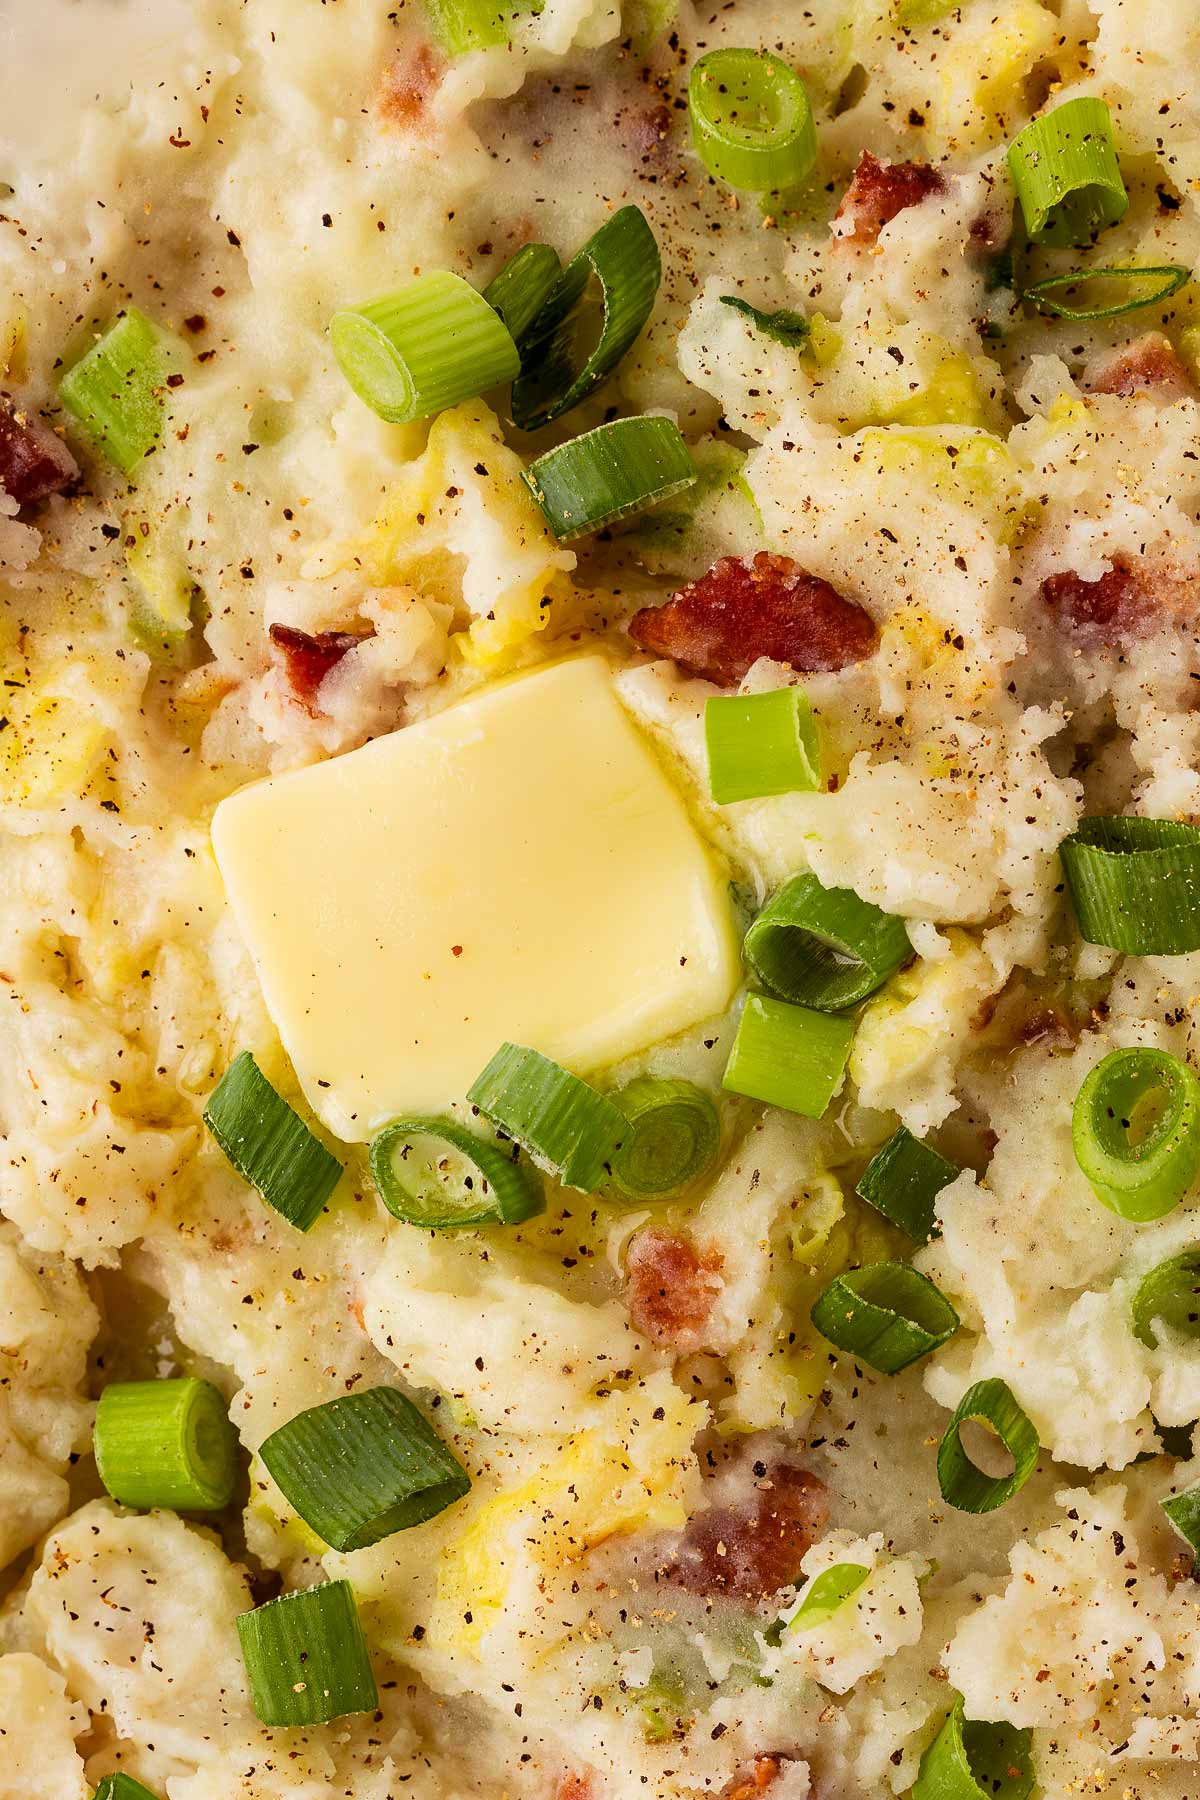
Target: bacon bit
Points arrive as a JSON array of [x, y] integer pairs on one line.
[[754, 1780], [1117, 606], [408, 86], [721, 624], [306, 660], [671, 1288], [881, 190], [33, 462], [755, 1549], [1149, 365]]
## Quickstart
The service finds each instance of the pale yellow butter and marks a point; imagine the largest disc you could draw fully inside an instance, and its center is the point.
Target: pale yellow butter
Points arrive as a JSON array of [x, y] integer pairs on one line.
[[517, 867]]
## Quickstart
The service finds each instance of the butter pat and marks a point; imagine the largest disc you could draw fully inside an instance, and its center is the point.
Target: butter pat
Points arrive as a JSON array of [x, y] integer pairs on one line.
[[518, 867]]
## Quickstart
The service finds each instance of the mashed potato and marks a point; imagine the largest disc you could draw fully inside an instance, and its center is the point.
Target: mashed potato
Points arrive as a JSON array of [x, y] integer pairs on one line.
[[995, 511]]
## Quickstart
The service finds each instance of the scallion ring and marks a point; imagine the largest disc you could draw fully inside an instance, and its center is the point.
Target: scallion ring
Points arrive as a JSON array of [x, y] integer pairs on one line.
[[761, 744], [558, 370], [166, 1444], [610, 473], [423, 348], [117, 391], [363, 1466], [1163, 281], [521, 289], [120, 1786], [966, 1486], [788, 1056], [1183, 1510], [671, 1136], [306, 1657], [1168, 1295], [1135, 884], [558, 1119], [886, 1315], [1065, 170], [436, 1173], [824, 947], [463, 25], [826, 1594], [269, 1144], [976, 1760], [752, 123], [903, 1181], [1136, 1131]]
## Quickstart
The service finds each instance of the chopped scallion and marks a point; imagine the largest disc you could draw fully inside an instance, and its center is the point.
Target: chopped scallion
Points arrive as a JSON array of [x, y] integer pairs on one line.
[[788, 1056], [752, 123], [269, 1144], [1136, 1131], [610, 473], [824, 947], [1065, 170], [976, 1761], [521, 289], [782, 326], [436, 1173], [1183, 1510], [117, 391], [557, 1118], [1135, 884], [826, 1594], [887, 1315], [463, 25], [120, 1786], [363, 1466], [963, 1484], [166, 1444], [903, 1181], [306, 1657], [670, 1138], [423, 348], [1161, 282], [761, 744], [1169, 1295]]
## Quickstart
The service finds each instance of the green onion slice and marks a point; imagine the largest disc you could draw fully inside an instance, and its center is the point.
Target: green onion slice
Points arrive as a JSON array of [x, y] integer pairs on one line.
[[1065, 170], [1183, 1510], [120, 1786], [887, 1315], [306, 1657], [463, 25], [760, 744], [1169, 1294], [363, 1466], [436, 1173], [610, 473], [1136, 1131], [752, 123], [117, 391], [269, 1144], [782, 326], [903, 1181], [521, 289], [554, 1116], [788, 1056], [1161, 282], [1135, 884], [826, 1593], [166, 1443], [964, 1485], [824, 947], [671, 1136], [970, 1760], [558, 369], [423, 348]]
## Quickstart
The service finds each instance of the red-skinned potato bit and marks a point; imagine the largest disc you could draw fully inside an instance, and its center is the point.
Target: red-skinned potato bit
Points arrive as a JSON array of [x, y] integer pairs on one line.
[[1118, 606], [1149, 365], [880, 190], [752, 1549], [575, 1787], [306, 659], [33, 462], [408, 88], [719, 625], [671, 1288]]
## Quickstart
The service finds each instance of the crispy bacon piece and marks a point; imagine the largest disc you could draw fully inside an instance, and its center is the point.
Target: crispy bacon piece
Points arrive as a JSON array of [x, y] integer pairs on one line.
[[1149, 365], [671, 1288], [740, 610], [753, 1549], [1117, 606], [754, 1780], [881, 190], [33, 462], [408, 87], [306, 660]]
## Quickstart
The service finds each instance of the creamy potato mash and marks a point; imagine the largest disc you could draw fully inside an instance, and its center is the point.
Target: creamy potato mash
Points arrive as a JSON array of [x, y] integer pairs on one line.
[[340, 742]]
